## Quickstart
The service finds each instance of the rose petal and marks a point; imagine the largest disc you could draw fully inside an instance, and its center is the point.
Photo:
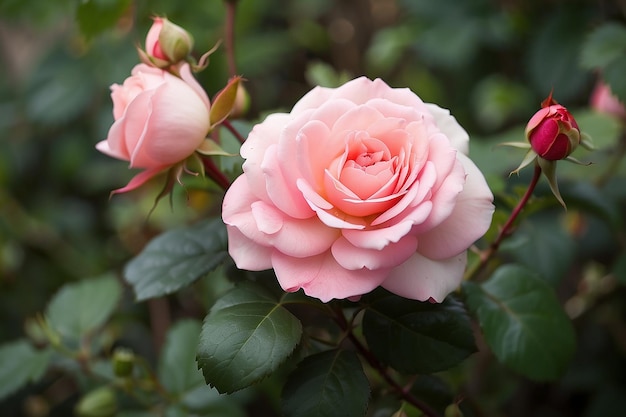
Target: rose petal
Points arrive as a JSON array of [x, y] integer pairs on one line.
[[246, 253], [421, 278], [469, 220], [283, 193], [450, 127], [322, 277], [353, 258], [295, 237], [262, 136]]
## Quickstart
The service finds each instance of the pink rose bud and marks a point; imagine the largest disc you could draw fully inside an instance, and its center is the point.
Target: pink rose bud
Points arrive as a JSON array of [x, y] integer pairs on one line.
[[167, 43], [604, 101], [552, 132], [160, 120]]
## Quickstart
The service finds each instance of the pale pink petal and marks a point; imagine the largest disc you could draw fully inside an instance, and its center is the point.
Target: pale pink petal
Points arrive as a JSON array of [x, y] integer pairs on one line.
[[262, 136], [352, 257], [469, 220], [283, 193], [358, 118], [260, 223], [187, 76], [450, 127], [153, 36], [268, 219], [312, 100], [322, 277], [421, 278], [377, 238], [312, 151], [350, 203], [246, 253], [177, 124], [114, 145], [444, 199]]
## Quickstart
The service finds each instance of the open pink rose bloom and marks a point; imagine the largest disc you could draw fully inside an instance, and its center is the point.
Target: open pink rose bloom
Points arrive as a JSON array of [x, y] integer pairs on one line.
[[358, 187]]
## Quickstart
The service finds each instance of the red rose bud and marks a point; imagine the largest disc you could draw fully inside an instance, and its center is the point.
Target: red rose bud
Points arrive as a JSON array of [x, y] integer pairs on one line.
[[552, 132], [167, 43]]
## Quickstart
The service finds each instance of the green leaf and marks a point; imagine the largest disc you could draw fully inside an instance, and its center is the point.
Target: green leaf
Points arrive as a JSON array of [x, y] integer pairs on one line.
[[523, 322], [96, 16], [330, 383], [614, 76], [553, 55], [177, 258], [20, 364], [177, 366], [180, 376], [83, 306], [543, 246], [603, 46], [418, 337], [244, 338]]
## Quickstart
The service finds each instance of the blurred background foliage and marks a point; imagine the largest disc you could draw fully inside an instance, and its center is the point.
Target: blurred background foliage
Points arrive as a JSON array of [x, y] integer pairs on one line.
[[491, 62]]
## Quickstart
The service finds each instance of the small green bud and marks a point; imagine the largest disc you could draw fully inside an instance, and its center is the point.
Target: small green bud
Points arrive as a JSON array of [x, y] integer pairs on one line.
[[453, 410], [123, 362], [100, 402]]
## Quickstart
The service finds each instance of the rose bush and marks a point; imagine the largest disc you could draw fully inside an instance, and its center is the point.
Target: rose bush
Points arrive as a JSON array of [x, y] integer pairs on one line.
[[359, 186], [160, 119]]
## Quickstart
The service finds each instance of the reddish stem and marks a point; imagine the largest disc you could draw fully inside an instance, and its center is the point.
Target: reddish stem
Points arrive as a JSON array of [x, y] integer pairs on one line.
[[228, 125], [231, 9], [507, 229], [214, 173]]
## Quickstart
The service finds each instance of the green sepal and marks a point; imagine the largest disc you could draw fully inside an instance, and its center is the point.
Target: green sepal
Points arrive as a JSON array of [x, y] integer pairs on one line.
[[224, 102], [210, 147], [549, 170], [530, 156], [204, 59], [586, 141]]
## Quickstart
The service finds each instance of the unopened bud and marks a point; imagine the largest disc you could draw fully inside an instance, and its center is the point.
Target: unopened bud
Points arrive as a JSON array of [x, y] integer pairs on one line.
[[123, 362], [242, 102], [453, 410], [100, 402], [553, 132], [166, 44]]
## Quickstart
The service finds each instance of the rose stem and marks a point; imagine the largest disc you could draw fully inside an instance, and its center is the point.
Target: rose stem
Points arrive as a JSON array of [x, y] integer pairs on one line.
[[228, 125], [506, 230], [380, 368], [214, 173], [231, 8]]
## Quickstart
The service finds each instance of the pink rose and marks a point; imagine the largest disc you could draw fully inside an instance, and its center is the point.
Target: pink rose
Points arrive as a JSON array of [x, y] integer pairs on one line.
[[359, 186], [160, 120], [604, 101]]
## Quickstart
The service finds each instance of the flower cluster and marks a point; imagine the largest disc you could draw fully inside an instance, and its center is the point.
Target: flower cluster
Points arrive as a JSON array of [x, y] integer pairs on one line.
[[162, 115], [358, 187]]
